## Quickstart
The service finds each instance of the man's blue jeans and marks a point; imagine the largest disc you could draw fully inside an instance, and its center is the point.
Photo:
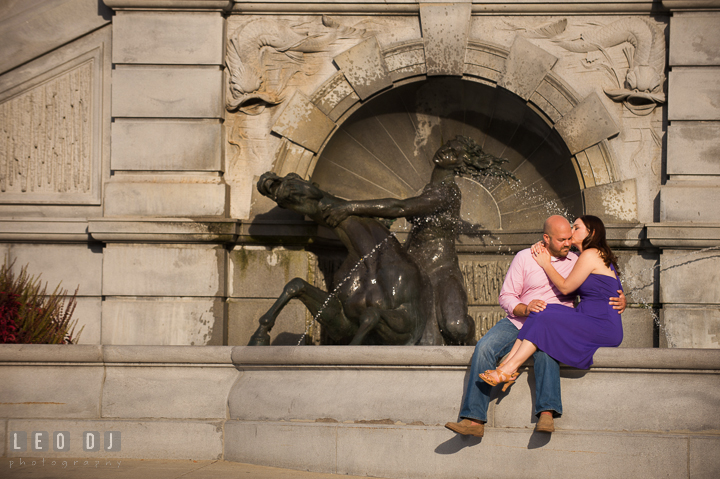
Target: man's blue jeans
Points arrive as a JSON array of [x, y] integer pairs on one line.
[[494, 345]]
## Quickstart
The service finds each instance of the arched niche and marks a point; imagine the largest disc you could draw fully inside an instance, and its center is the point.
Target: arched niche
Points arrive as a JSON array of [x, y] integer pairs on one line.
[[371, 129], [384, 149]]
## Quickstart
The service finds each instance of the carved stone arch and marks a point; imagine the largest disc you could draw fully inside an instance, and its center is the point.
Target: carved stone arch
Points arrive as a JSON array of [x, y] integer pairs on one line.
[[526, 95]]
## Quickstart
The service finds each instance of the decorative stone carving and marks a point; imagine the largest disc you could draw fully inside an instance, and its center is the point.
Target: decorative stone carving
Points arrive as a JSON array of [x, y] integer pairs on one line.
[[641, 90], [483, 280], [46, 136], [264, 54]]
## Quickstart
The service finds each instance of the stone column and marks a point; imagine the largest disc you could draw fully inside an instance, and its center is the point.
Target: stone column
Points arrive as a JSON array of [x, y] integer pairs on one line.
[[689, 228], [167, 108]]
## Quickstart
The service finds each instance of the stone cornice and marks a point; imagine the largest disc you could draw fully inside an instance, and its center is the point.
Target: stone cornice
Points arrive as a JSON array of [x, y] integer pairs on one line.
[[488, 7]]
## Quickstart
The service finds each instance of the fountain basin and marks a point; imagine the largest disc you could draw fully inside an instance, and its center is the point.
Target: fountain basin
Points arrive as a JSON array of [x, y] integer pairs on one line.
[[374, 411]]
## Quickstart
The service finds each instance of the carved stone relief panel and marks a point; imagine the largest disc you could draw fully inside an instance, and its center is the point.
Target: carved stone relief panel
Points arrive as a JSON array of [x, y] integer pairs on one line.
[[51, 131], [484, 279]]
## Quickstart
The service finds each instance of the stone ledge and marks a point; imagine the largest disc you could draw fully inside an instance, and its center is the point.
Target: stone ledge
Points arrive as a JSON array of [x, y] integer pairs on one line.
[[79, 353], [164, 230], [336, 356], [44, 229], [681, 235], [457, 356]]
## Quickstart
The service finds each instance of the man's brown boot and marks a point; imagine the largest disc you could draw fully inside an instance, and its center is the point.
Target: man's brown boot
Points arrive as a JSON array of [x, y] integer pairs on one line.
[[545, 423], [467, 428]]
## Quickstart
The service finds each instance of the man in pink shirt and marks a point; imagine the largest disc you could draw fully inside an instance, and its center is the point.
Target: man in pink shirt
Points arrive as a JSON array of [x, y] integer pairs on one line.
[[526, 289]]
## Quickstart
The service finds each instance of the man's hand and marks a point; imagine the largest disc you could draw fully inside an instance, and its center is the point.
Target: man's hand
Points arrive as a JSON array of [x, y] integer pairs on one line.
[[619, 303], [534, 306]]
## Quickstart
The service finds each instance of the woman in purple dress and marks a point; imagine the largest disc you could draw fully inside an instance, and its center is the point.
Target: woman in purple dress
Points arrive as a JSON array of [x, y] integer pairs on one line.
[[571, 335]]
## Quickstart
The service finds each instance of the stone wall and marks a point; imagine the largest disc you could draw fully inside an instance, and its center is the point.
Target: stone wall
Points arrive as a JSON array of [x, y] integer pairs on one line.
[[131, 138]]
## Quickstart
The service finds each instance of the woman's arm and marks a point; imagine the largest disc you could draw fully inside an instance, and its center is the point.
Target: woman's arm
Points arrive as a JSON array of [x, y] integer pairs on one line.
[[427, 203], [586, 264]]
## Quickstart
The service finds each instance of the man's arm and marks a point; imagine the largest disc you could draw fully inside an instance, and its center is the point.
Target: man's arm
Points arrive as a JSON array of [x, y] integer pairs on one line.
[[619, 302], [512, 290], [522, 310]]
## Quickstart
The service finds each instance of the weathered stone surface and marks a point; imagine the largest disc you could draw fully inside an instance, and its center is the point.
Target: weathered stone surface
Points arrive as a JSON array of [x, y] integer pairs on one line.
[[690, 277], [25, 34], [262, 273], [166, 199], [168, 354], [139, 439], [693, 94], [3, 433], [248, 443], [163, 321], [364, 67], [163, 270], [88, 313], [613, 202], [302, 122], [243, 316], [46, 229], [429, 451], [73, 265], [166, 230], [485, 60], [184, 145], [525, 68], [639, 274], [50, 353], [167, 92], [176, 37], [689, 203], [704, 463], [676, 234], [43, 391], [429, 395], [691, 327], [445, 30], [638, 327], [405, 59], [695, 39], [583, 408], [174, 392], [693, 148], [587, 124]]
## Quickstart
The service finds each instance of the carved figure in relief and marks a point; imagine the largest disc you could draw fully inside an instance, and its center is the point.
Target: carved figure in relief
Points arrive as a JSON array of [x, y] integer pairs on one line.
[[641, 90], [381, 295], [254, 80], [435, 216]]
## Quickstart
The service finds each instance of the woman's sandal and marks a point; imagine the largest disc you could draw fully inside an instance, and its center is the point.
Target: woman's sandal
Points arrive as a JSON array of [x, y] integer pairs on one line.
[[502, 377]]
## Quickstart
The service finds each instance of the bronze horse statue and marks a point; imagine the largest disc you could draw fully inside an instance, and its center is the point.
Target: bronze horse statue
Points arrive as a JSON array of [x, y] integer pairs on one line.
[[383, 296]]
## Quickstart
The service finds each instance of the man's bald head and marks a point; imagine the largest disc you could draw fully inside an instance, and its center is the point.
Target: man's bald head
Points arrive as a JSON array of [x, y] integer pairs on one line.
[[557, 235]]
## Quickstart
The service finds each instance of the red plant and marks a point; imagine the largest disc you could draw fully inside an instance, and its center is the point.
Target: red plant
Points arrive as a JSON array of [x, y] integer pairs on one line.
[[29, 315]]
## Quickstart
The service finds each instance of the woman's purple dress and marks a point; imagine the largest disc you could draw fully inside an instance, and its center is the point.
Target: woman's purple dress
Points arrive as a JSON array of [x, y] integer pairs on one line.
[[572, 335]]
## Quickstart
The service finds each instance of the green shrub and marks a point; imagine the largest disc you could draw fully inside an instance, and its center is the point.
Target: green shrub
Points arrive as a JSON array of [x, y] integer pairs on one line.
[[30, 316]]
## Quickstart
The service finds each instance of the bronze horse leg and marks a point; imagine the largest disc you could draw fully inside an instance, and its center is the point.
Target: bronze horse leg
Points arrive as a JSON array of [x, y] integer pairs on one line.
[[332, 316]]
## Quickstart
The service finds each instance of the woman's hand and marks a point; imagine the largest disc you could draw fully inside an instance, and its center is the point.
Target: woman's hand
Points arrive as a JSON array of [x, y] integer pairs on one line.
[[541, 255], [336, 214]]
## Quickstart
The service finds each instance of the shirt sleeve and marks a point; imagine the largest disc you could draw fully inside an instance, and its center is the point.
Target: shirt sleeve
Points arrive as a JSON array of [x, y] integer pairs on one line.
[[512, 286]]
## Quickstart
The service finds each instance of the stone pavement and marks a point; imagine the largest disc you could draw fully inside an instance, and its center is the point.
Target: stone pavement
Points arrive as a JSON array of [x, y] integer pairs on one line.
[[85, 468]]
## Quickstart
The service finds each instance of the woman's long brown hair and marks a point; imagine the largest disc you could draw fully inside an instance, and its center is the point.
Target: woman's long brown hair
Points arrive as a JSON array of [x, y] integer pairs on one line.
[[596, 239]]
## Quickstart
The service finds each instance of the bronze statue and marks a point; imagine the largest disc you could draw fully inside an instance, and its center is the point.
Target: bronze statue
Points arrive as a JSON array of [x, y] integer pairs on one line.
[[435, 216], [383, 297]]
